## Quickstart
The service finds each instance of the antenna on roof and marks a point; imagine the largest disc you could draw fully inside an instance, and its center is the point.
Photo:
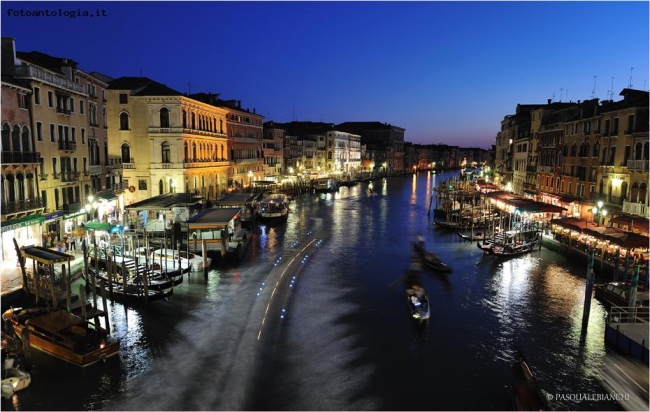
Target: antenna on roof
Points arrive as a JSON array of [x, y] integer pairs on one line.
[[594, 89], [561, 90], [611, 90], [630, 86], [567, 95]]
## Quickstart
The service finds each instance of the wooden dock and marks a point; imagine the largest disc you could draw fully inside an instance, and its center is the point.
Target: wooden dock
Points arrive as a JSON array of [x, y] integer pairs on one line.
[[628, 332]]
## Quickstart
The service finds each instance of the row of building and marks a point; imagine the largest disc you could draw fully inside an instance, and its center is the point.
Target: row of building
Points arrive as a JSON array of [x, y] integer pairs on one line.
[[78, 145], [590, 157]]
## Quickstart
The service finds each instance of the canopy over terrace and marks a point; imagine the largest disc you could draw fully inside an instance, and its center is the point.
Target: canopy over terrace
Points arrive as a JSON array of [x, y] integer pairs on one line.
[[514, 203], [214, 219], [613, 236], [635, 224], [166, 201], [237, 200]]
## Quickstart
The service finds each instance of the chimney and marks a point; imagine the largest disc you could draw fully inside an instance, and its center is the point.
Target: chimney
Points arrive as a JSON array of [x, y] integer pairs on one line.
[[548, 101], [239, 104], [9, 56]]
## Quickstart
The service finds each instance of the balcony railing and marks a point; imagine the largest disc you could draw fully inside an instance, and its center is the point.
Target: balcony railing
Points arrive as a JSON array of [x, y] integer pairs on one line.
[[29, 71], [128, 165], [545, 169], [21, 157], [119, 187], [637, 165], [67, 146], [43, 176], [21, 205], [95, 169], [638, 209], [62, 110]]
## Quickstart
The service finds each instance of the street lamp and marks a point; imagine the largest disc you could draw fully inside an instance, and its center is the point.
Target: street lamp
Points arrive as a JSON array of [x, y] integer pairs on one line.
[[91, 206], [599, 211]]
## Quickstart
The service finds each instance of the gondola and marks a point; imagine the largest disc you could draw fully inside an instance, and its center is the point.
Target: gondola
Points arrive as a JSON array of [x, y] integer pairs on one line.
[[515, 249], [430, 259], [527, 395], [418, 302], [471, 236]]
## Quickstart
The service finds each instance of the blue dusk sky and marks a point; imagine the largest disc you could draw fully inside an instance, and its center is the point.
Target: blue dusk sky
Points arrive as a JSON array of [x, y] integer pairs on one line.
[[447, 72]]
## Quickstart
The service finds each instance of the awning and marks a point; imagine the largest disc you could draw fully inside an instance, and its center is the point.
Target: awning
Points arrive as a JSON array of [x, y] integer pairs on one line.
[[567, 199], [107, 195], [97, 226], [22, 222]]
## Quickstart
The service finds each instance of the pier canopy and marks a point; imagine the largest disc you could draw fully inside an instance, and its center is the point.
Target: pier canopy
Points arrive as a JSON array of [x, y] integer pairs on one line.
[[611, 235], [237, 200], [214, 219], [166, 201], [44, 255], [516, 204]]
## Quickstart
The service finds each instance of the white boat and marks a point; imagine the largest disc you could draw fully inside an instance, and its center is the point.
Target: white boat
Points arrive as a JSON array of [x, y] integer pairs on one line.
[[167, 258], [274, 206], [13, 379]]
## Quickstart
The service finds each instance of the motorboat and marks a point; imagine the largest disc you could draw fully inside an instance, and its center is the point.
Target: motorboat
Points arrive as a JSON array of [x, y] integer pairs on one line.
[[13, 378], [418, 302], [158, 286], [63, 335], [273, 207], [617, 293], [325, 185], [168, 259]]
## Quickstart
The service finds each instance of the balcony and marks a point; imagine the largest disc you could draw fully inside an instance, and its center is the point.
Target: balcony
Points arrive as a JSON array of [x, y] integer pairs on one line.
[[20, 157], [638, 209], [93, 123], [67, 146], [637, 165], [33, 72], [545, 169], [21, 205], [119, 187], [128, 165], [95, 169], [62, 110], [43, 176], [69, 177]]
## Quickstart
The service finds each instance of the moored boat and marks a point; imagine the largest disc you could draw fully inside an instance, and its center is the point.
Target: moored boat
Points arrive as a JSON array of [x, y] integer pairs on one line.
[[325, 185], [527, 395], [273, 207], [14, 379], [515, 249], [617, 293], [63, 335], [418, 302]]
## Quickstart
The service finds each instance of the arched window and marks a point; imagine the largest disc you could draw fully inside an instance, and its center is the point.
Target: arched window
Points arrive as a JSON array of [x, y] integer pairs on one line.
[[643, 193], [126, 153], [565, 150], [596, 149], [193, 119], [124, 121], [26, 140], [184, 119], [161, 187], [186, 153], [634, 192], [166, 153], [194, 151], [15, 139], [20, 186], [624, 190], [164, 117], [6, 138], [10, 188]]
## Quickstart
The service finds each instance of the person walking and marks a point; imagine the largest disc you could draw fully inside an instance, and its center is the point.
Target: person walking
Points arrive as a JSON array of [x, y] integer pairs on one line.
[[73, 243]]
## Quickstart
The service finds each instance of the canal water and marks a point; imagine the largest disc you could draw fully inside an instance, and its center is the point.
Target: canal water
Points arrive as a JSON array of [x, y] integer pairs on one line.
[[346, 340]]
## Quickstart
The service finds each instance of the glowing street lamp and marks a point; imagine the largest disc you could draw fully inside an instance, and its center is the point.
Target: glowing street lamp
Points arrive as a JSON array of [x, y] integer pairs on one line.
[[599, 211]]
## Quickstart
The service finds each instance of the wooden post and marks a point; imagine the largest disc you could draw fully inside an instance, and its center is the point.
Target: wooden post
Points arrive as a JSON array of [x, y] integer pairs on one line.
[[66, 281], [627, 266], [21, 261], [109, 272], [145, 284], [204, 249], [105, 305], [588, 288], [634, 285], [82, 298], [26, 345], [54, 303], [125, 277], [617, 262]]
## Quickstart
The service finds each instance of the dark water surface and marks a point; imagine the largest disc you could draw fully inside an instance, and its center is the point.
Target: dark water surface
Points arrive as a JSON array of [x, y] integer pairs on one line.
[[346, 341]]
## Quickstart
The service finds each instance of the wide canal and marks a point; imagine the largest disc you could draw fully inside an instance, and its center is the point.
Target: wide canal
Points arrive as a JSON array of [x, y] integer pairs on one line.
[[337, 334]]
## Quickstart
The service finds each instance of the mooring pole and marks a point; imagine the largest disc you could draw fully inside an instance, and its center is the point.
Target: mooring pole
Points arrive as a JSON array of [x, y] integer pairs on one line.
[[617, 262], [589, 287], [627, 265], [635, 282]]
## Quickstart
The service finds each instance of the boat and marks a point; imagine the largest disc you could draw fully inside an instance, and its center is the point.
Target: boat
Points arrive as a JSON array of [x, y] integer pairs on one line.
[[14, 379], [168, 259], [158, 286], [515, 248], [527, 395], [418, 302], [617, 293], [325, 185], [471, 235], [63, 335], [430, 259], [273, 207]]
